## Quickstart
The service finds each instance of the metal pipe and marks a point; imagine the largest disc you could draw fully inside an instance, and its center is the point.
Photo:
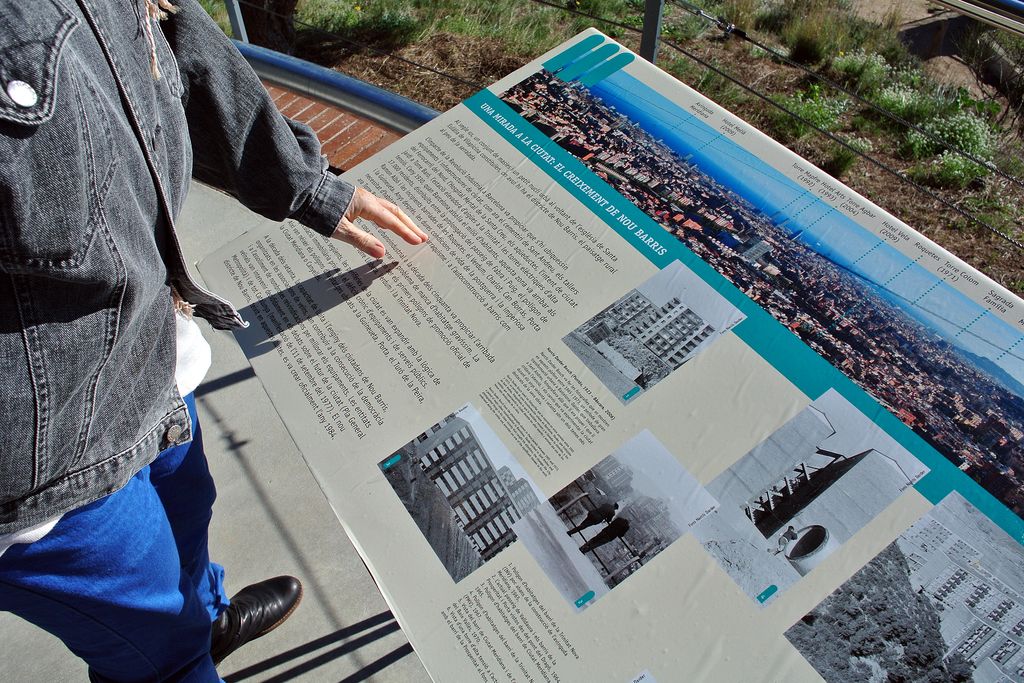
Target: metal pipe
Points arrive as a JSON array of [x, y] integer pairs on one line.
[[237, 22], [381, 106]]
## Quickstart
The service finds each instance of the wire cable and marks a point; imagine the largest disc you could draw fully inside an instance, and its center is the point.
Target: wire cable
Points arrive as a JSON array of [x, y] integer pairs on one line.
[[732, 30], [765, 98]]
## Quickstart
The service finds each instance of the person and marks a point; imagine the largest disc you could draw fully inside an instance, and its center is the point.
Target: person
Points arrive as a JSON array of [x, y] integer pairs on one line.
[[106, 110], [604, 512], [785, 538], [617, 528]]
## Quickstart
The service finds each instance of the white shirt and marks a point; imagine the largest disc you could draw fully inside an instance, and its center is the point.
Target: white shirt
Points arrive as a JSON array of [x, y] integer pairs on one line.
[[192, 364]]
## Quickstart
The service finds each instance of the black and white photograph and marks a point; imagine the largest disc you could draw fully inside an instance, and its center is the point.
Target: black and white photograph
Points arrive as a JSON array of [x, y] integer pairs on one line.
[[943, 602], [463, 488], [652, 331], [800, 494], [613, 519]]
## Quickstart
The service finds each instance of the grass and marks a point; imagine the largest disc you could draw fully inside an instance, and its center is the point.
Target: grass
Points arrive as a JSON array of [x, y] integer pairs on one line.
[[841, 158], [817, 110], [381, 24], [742, 13], [913, 104], [992, 207], [862, 71], [217, 10], [949, 170], [521, 28]]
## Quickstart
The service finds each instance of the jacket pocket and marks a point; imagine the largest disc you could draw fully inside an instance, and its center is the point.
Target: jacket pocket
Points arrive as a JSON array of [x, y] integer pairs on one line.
[[33, 36], [57, 157]]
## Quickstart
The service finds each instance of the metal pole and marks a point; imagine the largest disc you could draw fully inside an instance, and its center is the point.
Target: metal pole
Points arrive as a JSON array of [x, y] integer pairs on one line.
[[237, 22], [653, 9]]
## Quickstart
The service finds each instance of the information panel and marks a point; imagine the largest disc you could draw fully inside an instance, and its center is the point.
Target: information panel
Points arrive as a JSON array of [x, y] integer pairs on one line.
[[658, 400]]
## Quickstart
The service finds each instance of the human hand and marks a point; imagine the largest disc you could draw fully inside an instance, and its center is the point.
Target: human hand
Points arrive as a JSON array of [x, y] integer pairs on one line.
[[382, 212]]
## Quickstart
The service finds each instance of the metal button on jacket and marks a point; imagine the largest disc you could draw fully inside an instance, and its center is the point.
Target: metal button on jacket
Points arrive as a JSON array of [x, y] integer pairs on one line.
[[173, 432], [23, 94]]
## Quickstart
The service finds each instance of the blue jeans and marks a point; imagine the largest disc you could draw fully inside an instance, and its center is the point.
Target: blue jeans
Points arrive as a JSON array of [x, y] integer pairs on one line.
[[126, 582]]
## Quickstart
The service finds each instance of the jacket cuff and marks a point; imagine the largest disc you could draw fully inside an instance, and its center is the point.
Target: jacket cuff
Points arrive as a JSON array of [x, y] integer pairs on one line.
[[327, 204]]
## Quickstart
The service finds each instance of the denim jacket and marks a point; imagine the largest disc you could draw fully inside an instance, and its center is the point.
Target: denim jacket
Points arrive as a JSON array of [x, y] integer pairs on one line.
[[95, 162]]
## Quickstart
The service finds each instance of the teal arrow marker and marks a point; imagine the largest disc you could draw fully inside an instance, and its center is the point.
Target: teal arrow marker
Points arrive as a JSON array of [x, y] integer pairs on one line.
[[390, 462], [585, 598]]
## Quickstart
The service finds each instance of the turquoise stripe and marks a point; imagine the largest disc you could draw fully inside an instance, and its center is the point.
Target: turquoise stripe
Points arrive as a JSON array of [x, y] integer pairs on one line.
[[607, 69], [588, 62], [797, 362], [571, 53]]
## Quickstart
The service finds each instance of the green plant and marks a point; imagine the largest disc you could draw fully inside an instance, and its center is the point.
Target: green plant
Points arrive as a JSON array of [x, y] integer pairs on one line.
[[773, 17], [841, 158], [518, 30], [949, 170], [987, 109], [910, 76], [817, 110], [1009, 157], [685, 28], [812, 39], [963, 130], [993, 207], [864, 72], [719, 88], [682, 68], [816, 30], [870, 124], [914, 104]]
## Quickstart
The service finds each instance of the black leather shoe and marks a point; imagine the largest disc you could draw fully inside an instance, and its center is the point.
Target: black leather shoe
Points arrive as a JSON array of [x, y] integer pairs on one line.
[[254, 611]]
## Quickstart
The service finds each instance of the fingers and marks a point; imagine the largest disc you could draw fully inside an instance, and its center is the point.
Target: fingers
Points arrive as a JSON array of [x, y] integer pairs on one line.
[[388, 218], [386, 215], [406, 221], [348, 232]]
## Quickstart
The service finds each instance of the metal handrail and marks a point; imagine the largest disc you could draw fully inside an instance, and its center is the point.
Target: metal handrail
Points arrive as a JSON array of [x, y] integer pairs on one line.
[[389, 109]]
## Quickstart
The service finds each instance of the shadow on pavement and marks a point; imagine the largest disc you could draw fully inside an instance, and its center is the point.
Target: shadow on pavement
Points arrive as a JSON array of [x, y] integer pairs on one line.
[[385, 624], [227, 380]]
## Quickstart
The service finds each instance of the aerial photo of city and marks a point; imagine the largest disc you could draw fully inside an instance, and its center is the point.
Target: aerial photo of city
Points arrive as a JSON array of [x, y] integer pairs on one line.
[[934, 358]]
